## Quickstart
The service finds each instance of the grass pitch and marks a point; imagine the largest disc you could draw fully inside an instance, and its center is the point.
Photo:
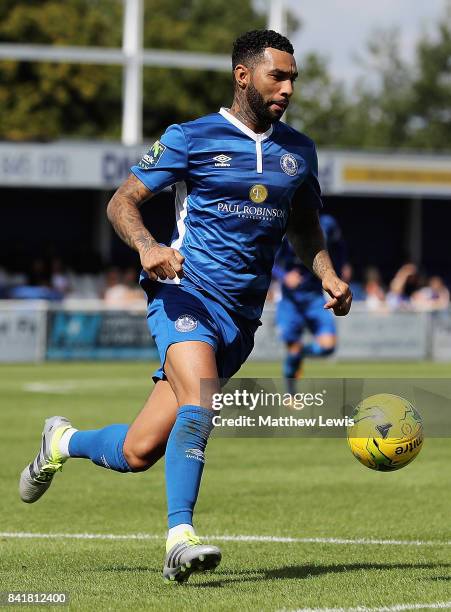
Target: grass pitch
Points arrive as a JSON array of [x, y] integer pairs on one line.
[[312, 490]]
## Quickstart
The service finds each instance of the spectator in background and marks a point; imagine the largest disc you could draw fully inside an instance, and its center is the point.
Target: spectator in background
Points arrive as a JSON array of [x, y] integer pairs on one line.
[[434, 296], [113, 284], [347, 274], [374, 291], [39, 275], [122, 289], [59, 278], [38, 286], [405, 282]]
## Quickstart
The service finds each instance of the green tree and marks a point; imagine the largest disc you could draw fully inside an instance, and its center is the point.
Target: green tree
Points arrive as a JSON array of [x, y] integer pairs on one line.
[[182, 95], [319, 106], [395, 105], [41, 101], [374, 114], [430, 126], [407, 107], [382, 100]]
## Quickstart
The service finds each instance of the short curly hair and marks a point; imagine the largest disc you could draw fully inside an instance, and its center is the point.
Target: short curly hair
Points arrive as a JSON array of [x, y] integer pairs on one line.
[[248, 47]]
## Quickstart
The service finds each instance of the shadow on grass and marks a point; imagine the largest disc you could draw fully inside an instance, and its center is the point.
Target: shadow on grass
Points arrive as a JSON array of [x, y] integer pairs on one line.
[[291, 572], [127, 568], [302, 572]]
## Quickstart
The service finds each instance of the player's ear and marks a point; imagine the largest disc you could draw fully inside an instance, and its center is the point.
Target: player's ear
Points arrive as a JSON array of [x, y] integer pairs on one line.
[[242, 76]]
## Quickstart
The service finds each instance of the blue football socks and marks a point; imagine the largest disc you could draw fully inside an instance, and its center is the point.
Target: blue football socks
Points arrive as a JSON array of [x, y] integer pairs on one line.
[[291, 364], [185, 461], [184, 456], [293, 361], [291, 367], [103, 446], [313, 349]]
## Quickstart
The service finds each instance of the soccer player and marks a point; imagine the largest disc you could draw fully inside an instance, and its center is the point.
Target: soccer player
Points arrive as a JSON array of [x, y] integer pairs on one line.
[[242, 180], [302, 304]]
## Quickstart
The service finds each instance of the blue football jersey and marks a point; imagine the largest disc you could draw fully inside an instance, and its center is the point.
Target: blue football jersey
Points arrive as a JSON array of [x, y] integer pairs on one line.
[[287, 260], [233, 192]]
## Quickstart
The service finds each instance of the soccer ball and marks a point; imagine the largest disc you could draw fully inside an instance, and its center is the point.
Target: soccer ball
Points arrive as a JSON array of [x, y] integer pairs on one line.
[[387, 433]]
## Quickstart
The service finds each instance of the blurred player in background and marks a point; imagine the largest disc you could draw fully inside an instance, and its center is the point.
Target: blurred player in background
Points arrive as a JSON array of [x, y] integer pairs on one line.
[[242, 180], [301, 306]]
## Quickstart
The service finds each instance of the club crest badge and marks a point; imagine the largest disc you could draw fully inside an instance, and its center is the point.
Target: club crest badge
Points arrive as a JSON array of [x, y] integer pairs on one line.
[[186, 323], [258, 193], [289, 164], [153, 156]]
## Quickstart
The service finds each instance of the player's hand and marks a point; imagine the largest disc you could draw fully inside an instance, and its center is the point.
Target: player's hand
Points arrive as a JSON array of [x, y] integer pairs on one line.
[[340, 293], [161, 262], [292, 279]]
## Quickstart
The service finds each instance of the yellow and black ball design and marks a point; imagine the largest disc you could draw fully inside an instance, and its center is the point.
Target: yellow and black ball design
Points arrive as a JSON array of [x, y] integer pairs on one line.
[[387, 433]]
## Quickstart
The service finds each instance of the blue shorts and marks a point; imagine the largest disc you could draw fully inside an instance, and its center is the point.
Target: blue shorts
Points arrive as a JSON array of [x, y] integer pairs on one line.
[[292, 317], [184, 314]]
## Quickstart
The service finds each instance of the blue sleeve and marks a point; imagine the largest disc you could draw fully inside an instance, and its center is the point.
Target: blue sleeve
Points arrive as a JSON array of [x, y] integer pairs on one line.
[[166, 162], [309, 193]]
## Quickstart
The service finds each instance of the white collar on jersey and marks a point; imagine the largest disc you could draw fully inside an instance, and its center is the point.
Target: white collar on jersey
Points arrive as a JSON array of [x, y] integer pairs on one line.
[[225, 112]]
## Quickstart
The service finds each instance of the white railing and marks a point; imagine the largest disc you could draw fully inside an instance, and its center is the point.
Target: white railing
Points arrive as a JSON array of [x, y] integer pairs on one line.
[[91, 329]]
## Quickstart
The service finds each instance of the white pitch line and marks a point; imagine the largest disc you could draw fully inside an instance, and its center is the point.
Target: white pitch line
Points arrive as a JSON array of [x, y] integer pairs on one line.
[[443, 605], [254, 538], [66, 386], [23, 535], [223, 538], [370, 541]]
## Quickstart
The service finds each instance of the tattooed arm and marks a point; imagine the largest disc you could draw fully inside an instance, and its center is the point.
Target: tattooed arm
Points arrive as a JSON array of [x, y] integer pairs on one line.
[[306, 236], [123, 212]]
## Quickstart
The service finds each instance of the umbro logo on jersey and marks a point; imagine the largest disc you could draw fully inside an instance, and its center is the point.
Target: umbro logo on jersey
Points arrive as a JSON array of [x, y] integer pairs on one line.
[[222, 161]]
